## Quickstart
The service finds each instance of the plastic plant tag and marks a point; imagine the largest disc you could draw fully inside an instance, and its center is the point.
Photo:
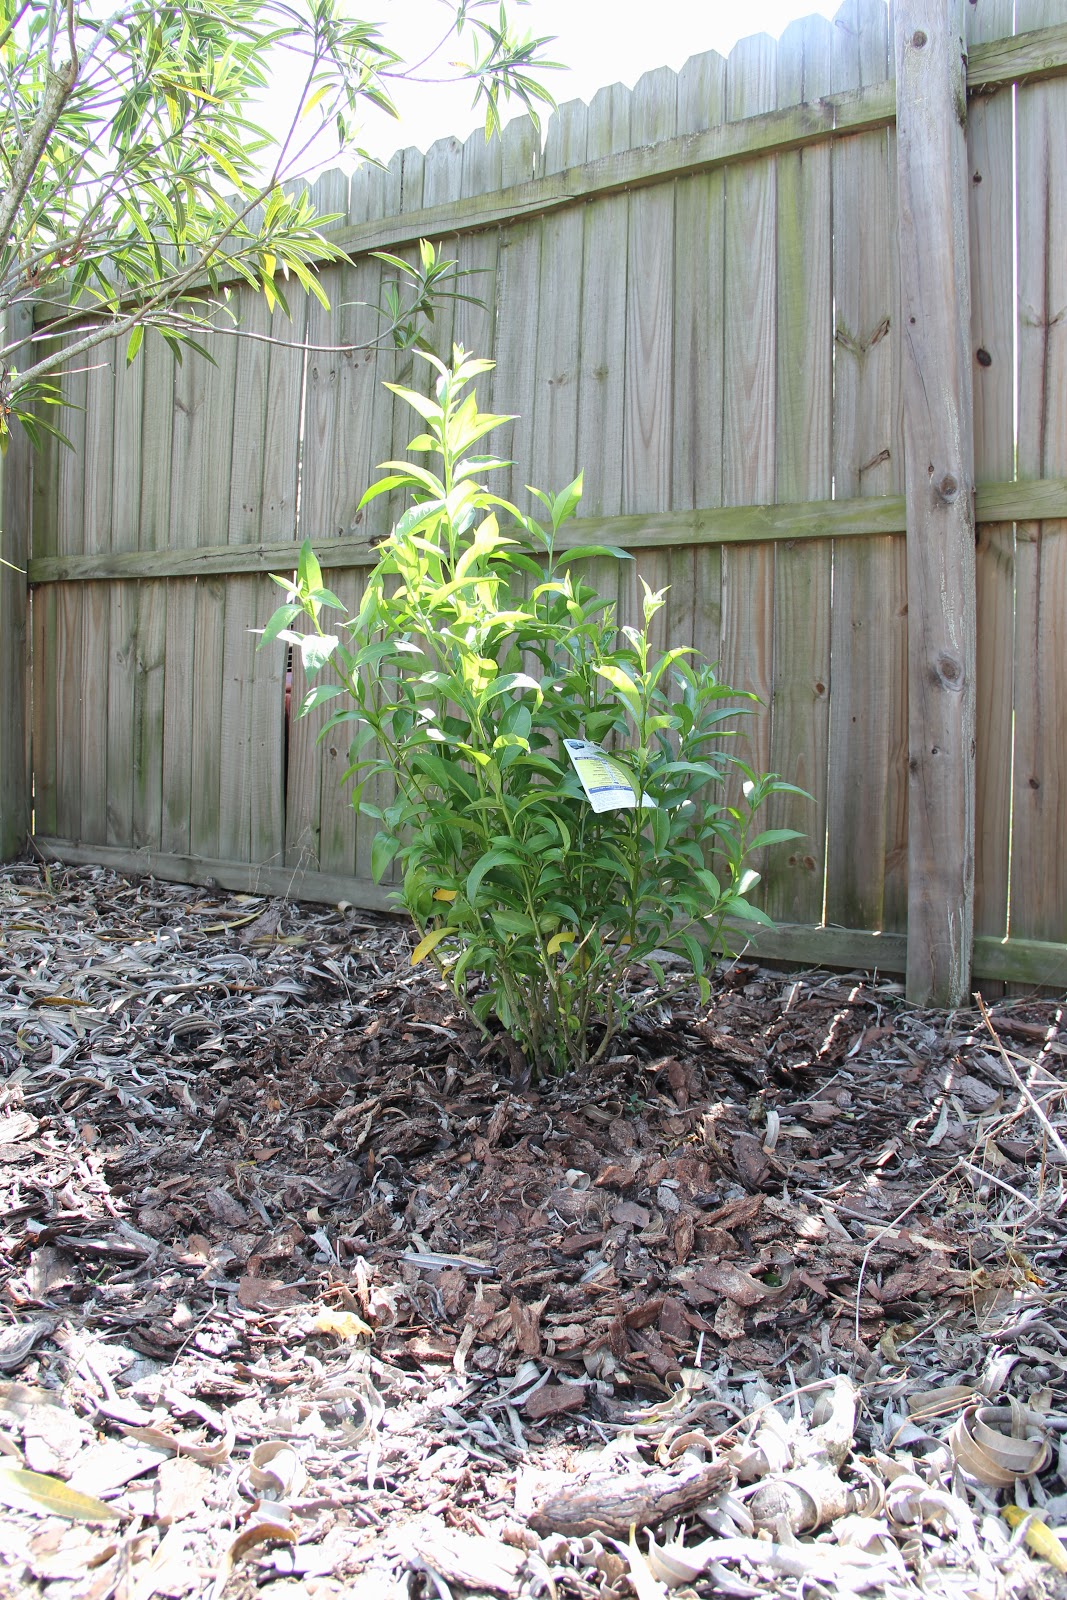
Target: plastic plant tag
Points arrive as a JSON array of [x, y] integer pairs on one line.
[[606, 781]]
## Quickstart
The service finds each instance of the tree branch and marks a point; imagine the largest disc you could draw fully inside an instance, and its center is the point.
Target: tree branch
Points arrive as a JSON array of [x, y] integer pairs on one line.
[[59, 84]]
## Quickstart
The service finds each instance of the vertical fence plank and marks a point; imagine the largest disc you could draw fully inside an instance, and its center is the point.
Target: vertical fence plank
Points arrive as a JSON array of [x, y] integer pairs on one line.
[[187, 391], [68, 637], [132, 425], [602, 355], [240, 774], [552, 462], [517, 332], [476, 254], [357, 324], [699, 235], [1039, 861], [749, 401], [16, 501], [94, 598], [648, 383], [378, 517], [939, 479], [804, 471], [992, 223], [153, 533], [866, 659], [319, 447], [44, 541], [603, 351], [384, 201]]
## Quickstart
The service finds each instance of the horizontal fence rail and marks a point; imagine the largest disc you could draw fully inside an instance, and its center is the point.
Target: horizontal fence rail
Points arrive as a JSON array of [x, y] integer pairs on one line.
[[716, 525]]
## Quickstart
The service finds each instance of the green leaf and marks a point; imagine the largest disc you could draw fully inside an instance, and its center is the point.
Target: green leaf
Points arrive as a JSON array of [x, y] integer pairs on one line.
[[586, 552], [501, 856], [774, 836], [320, 693], [749, 913], [384, 847], [693, 951], [281, 619], [512, 923], [308, 571], [620, 681], [315, 651]]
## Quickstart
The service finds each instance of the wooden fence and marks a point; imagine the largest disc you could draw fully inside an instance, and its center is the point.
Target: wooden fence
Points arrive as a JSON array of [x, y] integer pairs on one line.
[[714, 293]]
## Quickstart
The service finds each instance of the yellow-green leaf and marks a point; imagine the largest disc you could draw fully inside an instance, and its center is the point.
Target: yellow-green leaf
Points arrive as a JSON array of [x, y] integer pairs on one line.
[[1039, 1536], [430, 942], [444, 894], [36, 1491], [558, 940]]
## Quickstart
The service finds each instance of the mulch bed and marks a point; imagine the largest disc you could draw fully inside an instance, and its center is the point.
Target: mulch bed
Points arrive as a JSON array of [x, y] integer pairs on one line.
[[318, 1296]]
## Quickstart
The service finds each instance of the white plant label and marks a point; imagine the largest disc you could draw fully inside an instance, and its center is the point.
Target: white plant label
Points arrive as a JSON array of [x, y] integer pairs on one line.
[[606, 781]]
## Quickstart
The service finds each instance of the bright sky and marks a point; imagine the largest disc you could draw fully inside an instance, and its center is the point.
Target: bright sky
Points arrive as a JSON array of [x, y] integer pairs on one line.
[[601, 42]]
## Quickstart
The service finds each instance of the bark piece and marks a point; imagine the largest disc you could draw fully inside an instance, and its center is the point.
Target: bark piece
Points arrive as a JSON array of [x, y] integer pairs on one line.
[[554, 1400], [615, 1505]]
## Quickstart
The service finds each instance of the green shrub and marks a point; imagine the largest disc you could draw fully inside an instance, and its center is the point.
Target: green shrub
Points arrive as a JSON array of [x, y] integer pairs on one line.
[[474, 655]]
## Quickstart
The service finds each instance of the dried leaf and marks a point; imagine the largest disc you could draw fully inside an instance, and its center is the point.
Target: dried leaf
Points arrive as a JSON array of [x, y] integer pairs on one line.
[[38, 1492], [1039, 1536], [18, 1339], [345, 1324], [249, 1538], [275, 1468], [646, 1587], [981, 1448]]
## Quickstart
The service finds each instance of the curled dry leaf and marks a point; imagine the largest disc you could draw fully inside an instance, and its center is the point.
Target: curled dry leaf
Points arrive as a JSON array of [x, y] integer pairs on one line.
[[981, 1446], [275, 1469], [249, 1538]]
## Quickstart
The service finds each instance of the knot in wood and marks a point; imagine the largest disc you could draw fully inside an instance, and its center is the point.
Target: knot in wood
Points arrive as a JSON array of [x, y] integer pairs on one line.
[[918, 39], [949, 671], [948, 488]]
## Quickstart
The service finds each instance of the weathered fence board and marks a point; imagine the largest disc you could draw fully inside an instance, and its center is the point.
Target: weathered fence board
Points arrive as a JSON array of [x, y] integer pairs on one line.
[[692, 295], [989, 146], [803, 470], [1039, 862]]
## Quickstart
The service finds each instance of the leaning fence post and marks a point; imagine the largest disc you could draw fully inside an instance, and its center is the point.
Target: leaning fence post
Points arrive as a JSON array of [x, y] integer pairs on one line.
[[15, 502], [939, 488]]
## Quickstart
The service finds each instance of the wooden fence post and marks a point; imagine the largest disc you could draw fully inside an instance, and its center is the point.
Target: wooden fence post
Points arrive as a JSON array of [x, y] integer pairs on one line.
[[15, 503], [939, 490]]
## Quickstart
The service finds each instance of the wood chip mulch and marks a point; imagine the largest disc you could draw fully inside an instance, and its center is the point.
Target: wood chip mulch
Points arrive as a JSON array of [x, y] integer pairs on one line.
[[304, 1292]]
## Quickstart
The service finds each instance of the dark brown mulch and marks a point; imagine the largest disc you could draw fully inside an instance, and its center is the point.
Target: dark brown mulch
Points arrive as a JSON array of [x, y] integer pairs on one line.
[[262, 1183]]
